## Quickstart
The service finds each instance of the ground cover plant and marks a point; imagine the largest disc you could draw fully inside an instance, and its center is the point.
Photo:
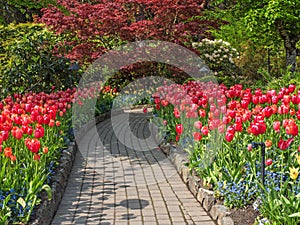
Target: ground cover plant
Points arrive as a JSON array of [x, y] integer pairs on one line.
[[220, 127]]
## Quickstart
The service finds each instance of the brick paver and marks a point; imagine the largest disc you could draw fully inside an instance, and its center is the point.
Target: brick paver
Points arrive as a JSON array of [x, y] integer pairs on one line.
[[120, 177]]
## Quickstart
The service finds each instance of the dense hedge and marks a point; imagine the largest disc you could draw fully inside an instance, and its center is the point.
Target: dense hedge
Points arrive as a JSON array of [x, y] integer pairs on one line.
[[28, 62]]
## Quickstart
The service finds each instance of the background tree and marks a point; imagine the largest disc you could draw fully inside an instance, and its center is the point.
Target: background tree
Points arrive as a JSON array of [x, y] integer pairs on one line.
[[95, 28], [270, 19], [21, 11]]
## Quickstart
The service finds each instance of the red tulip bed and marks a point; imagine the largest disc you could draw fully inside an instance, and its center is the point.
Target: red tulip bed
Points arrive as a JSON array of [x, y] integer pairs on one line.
[[34, 129], [222, 130]]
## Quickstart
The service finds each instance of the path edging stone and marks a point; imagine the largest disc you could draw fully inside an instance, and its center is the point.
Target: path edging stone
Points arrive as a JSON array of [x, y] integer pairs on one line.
[[178, 157]]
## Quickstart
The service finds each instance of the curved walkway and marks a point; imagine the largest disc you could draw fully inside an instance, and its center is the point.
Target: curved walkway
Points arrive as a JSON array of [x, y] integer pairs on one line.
[[120, 177]]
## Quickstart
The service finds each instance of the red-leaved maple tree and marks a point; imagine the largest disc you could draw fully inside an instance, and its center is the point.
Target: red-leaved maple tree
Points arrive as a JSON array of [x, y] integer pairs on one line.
[[94, 28]]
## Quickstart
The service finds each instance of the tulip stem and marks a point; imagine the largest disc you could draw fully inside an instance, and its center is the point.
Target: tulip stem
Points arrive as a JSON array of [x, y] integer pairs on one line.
[[263, 165], [263, 146]]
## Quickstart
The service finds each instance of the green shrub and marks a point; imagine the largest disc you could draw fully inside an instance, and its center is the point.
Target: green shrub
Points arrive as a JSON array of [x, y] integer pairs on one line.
[[28, 62]]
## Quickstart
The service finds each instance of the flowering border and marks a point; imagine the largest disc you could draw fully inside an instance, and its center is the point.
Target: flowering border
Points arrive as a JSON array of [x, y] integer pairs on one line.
[[219, 213]]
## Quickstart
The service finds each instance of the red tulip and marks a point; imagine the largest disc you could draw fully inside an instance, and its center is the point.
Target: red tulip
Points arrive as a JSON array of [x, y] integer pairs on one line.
[[298, 114], [5, 135], [232, 105], [198, 125], [269, 162], [295, 100], [33, 145], [164, 103], [197, 136], [292, 111], [283, 109], [238, 126], [39, 131], [205, 130], [258, 128], [17, 133], [285, 123], [229, 136], [221, 128], [29, 130], [258, 92], [249, 147], [176, 113], [36, 157], [276, 126], [275, 99], [255, 100], [292, 129], [202, 113], [57, 123], [263, 99], [244, 104], [284, 144], [45, 150], [268, 111], [8, 152], [46, 119], [179, 129], [16, 119], [286, 99], [268, 143], [291, 88]]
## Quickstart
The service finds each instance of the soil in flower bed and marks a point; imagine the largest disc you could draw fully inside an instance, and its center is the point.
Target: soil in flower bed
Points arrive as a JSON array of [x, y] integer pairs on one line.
[[245, 216]]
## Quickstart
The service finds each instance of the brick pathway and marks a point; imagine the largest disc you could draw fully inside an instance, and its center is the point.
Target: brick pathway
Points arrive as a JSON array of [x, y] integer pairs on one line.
[[118, 181]]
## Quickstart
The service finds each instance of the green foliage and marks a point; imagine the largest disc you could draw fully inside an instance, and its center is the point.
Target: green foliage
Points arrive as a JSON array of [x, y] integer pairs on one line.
[[264, 32], [259, 51], [20, 11], [27, 61], [281, 206], [286, 78]]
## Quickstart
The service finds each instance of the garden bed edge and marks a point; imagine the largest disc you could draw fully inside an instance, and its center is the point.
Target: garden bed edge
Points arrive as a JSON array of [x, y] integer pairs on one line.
[[219, 213]]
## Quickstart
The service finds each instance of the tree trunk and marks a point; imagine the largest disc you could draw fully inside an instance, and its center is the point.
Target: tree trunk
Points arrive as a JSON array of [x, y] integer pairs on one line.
[[290, 40], [291, 54]]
